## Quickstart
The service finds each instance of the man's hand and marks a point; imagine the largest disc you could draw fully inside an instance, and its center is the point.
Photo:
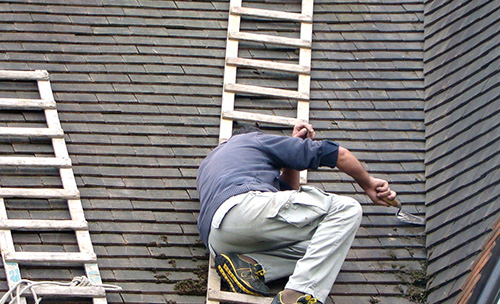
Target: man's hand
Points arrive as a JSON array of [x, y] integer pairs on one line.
[[377, 189], [303, 130]]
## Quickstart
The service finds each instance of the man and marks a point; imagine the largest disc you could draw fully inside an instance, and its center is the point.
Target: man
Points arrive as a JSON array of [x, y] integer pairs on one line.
[[261, 225]]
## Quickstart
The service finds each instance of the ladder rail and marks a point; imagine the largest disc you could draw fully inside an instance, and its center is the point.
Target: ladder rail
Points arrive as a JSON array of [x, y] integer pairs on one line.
[[226, 125], [7, 245]]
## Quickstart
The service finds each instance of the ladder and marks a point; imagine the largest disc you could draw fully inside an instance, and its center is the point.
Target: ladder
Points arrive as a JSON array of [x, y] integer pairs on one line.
[[231, 88], [69, 192]]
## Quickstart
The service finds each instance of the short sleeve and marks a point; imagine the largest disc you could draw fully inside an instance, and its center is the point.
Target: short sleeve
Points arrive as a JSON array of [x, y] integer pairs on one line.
[[329, 153]]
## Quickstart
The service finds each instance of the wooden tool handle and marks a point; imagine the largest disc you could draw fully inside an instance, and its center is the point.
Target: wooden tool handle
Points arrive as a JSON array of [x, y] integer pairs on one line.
[[394, 203]]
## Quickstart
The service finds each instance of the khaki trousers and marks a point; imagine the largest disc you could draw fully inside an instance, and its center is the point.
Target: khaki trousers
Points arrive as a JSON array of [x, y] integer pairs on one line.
[[304, 234]]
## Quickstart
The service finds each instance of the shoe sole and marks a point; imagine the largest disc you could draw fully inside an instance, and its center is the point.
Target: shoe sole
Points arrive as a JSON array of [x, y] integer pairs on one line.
[[227, 271]]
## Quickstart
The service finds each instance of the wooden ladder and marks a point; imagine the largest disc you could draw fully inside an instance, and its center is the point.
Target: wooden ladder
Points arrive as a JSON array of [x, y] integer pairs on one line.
[[77, 223], [232, 88]]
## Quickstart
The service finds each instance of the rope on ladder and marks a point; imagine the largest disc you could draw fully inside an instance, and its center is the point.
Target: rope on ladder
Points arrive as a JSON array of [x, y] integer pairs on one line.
[[16, 291]]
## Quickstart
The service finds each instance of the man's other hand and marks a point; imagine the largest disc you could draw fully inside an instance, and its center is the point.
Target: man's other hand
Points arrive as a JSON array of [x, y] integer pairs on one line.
[[303, 130]]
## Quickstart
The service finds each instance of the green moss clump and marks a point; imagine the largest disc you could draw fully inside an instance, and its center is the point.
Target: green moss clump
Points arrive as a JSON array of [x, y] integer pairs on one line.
[[194, 287]]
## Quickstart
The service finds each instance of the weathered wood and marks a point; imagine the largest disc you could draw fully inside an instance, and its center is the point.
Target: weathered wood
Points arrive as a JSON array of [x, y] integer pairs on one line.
[[23, 103], [55, 257], [304, 82], [269, 65], [256, 90], [226, 126], [35, 161], [307, 7], [35, 132], [24, 75], [45, 89], [66, 291], [272, 14], [12, 271], [225, 296], [303, 177], [38, 193], [21, 224], [294, 42], [86, 257], [52, 119], [213, 281], [257, 117], [93, 273]]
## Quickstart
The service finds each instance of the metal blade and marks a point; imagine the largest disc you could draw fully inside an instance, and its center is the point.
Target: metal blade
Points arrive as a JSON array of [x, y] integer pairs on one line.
[[409, 218], [405, 216]]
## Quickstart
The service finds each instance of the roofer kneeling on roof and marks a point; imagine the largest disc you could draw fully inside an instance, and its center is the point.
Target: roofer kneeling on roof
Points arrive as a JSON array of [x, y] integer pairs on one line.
[[261, 225]]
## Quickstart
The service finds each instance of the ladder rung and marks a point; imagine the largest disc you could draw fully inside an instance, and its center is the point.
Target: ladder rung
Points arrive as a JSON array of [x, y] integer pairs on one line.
[[65, 291], [35, 161], [39, 193], [257, 12], [23, 103], [42, 257], [256, 117], [24, 75], [251, 89], [214, 294], [270, 39], [232, 297], [24, 224], [41, 132], [270, 65]]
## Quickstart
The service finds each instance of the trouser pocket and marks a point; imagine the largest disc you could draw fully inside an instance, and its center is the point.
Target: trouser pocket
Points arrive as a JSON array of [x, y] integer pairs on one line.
[[303, 207]]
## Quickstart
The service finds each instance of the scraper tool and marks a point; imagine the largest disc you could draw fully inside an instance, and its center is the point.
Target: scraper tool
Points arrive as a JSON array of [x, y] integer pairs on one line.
[[405, 216]]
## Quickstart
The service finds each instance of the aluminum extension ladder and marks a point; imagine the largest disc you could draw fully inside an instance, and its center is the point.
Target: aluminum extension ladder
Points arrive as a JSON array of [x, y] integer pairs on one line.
[[232, 87], [12, 259]]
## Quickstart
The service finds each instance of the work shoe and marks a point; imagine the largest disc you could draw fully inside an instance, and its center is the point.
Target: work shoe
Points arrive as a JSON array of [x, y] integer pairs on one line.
[[241, 276], [305, 299]]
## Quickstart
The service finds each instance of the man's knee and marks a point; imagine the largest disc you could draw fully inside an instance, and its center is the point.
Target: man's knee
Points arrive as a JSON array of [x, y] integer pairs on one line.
[[351, 209]]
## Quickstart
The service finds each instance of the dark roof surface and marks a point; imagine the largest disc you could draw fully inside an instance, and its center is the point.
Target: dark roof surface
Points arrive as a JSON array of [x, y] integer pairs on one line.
[[138, 86], [462, 146]]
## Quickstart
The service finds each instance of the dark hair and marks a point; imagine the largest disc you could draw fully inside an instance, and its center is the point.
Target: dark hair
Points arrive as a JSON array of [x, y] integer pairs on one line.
[[246, 129]]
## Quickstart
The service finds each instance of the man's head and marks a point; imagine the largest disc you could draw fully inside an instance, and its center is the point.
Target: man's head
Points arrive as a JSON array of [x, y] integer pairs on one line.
[[246, 129]]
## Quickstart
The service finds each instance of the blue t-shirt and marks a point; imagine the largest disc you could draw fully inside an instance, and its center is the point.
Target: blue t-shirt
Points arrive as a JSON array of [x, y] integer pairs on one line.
[[252, 162]]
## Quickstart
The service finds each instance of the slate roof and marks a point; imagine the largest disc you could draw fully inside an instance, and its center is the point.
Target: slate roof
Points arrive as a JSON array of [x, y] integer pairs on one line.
[[138, 89], [462, 146]]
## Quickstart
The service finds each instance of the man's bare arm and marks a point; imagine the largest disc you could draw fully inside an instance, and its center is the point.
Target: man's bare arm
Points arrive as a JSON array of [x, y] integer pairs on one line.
[[291, 177], [375, 188]]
